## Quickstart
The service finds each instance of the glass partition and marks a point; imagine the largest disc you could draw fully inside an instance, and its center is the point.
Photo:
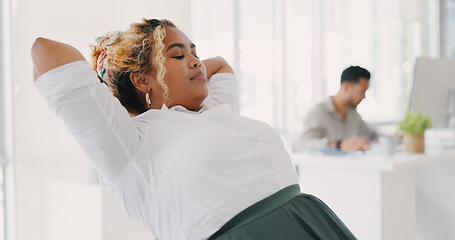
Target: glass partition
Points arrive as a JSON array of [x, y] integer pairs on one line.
[[289, 55]]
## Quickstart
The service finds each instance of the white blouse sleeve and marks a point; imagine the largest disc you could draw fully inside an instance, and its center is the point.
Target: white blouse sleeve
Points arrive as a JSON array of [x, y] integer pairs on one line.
[[223, 89], [100, 124]]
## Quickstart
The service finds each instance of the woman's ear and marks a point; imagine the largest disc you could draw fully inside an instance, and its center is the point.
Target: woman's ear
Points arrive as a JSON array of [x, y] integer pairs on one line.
[[141, 81]]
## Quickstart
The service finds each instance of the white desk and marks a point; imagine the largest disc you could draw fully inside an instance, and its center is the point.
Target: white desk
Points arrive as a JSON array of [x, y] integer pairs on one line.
[[375, 195]]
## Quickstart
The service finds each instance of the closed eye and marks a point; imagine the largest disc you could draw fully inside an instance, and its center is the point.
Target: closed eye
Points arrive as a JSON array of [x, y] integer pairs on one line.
[[179, 57]]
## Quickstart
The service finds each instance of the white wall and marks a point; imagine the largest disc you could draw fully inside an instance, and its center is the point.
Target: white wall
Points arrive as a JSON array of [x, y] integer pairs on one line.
[[43, 148]]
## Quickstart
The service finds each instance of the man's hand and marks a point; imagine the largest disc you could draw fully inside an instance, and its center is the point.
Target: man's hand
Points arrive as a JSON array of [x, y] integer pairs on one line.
[[354, 144]]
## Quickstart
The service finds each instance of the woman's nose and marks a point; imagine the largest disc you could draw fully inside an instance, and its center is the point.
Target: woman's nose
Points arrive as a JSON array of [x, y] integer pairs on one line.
[[195, 62]]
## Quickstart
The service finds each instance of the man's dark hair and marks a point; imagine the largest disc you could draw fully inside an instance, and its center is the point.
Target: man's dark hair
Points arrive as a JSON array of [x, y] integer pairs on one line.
[[353, 73]]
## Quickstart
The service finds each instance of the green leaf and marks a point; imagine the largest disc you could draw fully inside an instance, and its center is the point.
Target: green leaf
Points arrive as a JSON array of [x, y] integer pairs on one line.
[[415, 122]]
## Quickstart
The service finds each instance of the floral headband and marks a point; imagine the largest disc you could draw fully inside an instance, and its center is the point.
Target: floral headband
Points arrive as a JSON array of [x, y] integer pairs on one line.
[[104, 42]]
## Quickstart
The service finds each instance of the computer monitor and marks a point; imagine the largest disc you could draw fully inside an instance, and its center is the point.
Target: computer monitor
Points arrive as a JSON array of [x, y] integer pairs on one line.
[[433, 91]]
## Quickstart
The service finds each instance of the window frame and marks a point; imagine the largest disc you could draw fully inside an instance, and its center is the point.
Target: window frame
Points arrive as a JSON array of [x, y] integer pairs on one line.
[[6, 126]]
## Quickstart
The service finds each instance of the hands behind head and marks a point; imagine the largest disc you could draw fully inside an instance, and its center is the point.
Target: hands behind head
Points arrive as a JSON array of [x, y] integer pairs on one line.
[[355, 144]]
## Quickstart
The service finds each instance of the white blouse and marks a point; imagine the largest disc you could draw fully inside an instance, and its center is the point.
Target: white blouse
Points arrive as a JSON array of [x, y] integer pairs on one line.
[[181, 174]]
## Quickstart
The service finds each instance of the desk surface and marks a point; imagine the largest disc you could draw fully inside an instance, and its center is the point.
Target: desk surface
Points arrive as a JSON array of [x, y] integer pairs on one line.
[[372, 160]]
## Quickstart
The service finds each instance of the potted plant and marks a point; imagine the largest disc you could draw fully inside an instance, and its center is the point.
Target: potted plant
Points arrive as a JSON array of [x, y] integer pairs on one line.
[[413, 128]]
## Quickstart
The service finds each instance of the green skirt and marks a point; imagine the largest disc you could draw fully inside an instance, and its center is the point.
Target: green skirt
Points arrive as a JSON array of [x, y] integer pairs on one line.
[[286, 215]]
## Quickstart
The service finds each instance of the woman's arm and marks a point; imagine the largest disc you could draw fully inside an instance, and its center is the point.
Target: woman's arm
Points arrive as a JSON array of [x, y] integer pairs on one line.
[[223, 87], [216, 65], [101, 125], [48, 54]]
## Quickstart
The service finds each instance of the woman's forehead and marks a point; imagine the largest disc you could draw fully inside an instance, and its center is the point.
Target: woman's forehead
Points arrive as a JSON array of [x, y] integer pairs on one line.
[[174, 35]]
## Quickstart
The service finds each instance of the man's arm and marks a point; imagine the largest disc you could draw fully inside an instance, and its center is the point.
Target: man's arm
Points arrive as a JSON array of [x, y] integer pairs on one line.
[[367, 132], [313, 134], [354, 144], [48, 54]]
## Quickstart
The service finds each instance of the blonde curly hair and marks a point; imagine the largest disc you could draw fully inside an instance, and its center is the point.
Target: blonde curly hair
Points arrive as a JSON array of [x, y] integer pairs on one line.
[[131, 53]]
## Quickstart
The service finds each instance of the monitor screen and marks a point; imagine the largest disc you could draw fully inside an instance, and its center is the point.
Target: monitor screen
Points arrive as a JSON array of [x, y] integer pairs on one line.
[[433, 91]]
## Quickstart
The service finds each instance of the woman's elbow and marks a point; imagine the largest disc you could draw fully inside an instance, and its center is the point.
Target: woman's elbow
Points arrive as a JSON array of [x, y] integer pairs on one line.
[[38, 54], [38, 48], [38, 42], [225, 67], [48, 54]]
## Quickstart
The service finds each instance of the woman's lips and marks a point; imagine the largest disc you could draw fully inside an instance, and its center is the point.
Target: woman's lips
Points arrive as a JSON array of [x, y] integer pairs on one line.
[[199, 76]]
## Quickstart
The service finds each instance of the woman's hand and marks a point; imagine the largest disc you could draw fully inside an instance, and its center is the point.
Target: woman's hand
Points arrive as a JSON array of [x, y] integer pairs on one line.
[[48, 54], [216, 65]]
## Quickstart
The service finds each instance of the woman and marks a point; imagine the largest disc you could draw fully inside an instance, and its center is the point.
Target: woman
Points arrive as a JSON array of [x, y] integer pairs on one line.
[[185, 165]]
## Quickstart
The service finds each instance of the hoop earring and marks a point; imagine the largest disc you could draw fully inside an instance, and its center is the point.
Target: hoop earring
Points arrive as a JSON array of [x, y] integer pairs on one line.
[[147, 99]]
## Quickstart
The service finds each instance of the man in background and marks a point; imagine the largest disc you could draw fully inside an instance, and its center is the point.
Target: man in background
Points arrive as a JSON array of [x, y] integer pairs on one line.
[[335, 122]]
